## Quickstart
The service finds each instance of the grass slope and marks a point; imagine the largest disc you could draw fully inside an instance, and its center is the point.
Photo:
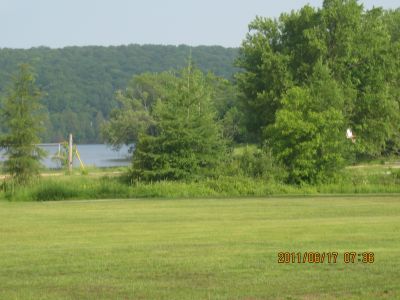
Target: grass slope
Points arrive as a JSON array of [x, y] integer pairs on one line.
[[198, 249]]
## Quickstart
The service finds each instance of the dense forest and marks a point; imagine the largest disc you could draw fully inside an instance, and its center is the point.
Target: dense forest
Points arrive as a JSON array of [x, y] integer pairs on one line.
[[79, 83]]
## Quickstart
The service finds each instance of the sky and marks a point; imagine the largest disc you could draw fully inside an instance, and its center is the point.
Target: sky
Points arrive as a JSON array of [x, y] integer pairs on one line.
[[60, 23]]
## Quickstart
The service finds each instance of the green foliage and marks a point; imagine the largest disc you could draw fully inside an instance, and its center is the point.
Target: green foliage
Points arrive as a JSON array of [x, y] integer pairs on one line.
[[392, 21], [71, 187], [134, 112], [280, 57], [55, 191], [252, 162], [22, 119], [308, 135], [186, 140], [251, 172], [265, 75], [80, 82], [225, 99]]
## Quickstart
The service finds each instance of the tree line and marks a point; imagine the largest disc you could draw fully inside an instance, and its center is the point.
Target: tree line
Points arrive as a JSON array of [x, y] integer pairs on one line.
[[79, 83], [304, 79]]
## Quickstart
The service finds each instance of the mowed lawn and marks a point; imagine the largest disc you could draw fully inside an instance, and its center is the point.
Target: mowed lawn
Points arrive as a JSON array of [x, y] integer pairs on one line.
[[198, 249]]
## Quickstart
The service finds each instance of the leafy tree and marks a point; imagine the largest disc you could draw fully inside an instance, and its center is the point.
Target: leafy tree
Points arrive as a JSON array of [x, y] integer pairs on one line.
[[265, 76], [22, 119], [186, 141], [360, 56], [134, 114], [392, 21], [226, 102], [308, 136], [358, 46]]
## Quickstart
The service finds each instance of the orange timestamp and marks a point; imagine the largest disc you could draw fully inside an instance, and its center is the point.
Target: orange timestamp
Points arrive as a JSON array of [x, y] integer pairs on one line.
[[315, 257]]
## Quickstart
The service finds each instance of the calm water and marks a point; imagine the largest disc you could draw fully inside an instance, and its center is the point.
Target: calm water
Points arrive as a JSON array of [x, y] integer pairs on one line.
[[91, 155]]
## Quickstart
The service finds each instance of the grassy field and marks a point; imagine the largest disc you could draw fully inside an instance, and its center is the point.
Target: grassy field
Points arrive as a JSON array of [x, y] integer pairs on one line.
[[198, 249]]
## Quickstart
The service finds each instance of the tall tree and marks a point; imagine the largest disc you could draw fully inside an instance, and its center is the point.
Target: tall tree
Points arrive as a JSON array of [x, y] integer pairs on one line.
[[186, 141], [308, 136], [358, 46], [135, 106], [265, 77], [23, 121]]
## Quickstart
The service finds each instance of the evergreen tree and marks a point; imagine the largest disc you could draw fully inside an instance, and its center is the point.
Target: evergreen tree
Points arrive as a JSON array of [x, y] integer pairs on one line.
[[186, 141], [23, 121]]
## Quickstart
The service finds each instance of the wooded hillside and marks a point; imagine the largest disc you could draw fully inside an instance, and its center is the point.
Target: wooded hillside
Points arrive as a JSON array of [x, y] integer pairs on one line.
[[80, 82]]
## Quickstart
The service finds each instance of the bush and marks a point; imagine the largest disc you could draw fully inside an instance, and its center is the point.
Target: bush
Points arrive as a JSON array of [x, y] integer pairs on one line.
[[255, 163]]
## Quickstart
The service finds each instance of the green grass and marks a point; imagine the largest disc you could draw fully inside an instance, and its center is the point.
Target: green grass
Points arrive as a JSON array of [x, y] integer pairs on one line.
[[101, 186], [198, 249]]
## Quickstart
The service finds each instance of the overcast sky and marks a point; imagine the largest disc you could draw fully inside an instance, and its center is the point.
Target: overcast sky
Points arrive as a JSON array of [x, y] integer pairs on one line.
[[59, 23]]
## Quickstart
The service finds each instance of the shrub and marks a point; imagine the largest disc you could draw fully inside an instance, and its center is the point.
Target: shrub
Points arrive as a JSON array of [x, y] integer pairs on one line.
[[255, 163]]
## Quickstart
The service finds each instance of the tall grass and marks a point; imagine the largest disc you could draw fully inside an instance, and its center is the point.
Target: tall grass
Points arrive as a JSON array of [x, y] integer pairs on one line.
[[66, 187], [94, 188], [354, 181]]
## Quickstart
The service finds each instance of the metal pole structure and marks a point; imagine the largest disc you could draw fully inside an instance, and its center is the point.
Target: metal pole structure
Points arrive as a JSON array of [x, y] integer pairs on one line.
[[70, 154]]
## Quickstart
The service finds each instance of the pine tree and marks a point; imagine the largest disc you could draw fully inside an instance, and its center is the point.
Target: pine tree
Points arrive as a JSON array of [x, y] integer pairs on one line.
[[186, 141], [22, 119]]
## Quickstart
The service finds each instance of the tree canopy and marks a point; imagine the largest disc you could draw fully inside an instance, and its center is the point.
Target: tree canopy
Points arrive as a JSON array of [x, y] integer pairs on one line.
[[322, 69]]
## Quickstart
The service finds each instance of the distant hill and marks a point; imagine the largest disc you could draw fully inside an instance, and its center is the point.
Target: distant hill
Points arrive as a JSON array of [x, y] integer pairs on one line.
[[80, 82]]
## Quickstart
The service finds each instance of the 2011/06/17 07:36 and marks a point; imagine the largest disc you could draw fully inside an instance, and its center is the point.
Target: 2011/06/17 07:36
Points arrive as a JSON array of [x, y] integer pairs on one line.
[[314, 257]]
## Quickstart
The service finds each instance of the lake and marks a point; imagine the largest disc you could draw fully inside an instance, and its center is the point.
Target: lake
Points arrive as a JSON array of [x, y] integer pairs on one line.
[[98, 155]]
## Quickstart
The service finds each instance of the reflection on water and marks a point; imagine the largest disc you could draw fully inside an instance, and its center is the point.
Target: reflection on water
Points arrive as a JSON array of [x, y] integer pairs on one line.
[[92, 155]]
